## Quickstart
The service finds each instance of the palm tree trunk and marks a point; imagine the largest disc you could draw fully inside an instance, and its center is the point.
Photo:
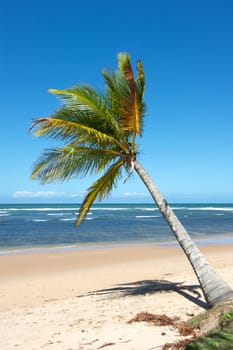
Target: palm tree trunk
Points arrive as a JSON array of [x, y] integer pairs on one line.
[[214, 288]]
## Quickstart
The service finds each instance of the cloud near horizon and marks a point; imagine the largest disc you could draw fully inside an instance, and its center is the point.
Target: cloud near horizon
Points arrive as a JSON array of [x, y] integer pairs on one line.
[[54, 194], [44, 194], [134, 194]]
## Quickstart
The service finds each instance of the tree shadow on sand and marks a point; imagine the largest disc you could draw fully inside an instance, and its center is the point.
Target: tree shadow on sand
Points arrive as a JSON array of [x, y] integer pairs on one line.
[[190, 292]]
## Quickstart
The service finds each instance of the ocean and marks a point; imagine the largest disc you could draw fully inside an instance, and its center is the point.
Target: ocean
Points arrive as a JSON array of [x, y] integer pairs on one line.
[[27, 227]]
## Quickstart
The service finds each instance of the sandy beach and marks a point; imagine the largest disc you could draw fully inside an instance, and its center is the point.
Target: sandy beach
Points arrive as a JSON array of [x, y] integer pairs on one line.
[[83, 300]]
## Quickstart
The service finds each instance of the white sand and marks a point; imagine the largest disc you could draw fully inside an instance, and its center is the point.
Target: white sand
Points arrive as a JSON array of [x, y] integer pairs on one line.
[[83, 300]]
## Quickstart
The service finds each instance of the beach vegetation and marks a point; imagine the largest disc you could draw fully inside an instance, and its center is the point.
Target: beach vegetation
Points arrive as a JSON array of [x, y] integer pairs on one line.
[[217, 326], [99, 133]]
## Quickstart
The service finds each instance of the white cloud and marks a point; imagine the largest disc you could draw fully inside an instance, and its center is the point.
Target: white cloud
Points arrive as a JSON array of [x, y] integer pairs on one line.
[[77, 195], [38, 194], [53, 194], [46, 194], [134, 194]]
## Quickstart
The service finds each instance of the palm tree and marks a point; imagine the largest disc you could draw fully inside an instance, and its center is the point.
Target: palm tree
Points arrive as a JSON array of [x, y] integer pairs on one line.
[[99, 132]]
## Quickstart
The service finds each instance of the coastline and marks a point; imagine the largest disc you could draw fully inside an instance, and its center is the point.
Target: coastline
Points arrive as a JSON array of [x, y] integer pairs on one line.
[[24, 226], [201, 240], [84, 299]]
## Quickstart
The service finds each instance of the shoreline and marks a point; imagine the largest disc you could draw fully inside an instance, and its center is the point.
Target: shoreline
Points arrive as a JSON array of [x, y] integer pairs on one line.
[[83, 300], [202, 240]]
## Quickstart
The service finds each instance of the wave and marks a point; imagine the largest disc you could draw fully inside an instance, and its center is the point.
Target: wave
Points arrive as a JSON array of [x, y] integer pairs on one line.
[[212, 208], [57, 214], [180, 208], [146, 216], [111, 209], [124, 209], [41, 209]]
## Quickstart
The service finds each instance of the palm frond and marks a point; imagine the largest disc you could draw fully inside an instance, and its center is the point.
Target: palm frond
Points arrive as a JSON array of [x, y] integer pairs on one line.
[[118, 94], [87, 105], [72, 132], [140, 79], [100, 189], [109, 78], [130, 113], [72, 160], [125, 94], [82, 97]]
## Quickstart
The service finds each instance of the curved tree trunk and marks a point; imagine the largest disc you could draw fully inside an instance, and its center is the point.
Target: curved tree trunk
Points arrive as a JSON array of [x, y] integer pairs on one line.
[[214, 288]]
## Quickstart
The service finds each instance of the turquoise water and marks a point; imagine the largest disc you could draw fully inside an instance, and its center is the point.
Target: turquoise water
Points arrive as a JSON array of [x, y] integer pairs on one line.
[[52, 225]]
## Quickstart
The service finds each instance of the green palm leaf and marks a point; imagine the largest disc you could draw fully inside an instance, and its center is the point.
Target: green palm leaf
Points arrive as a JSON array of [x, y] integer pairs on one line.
[[72, 132], [70, 161], [100, 189], [140, 80], [88, 106]]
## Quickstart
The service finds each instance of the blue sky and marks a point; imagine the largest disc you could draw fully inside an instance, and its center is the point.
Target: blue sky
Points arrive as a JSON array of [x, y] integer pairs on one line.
[[187, 52]]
